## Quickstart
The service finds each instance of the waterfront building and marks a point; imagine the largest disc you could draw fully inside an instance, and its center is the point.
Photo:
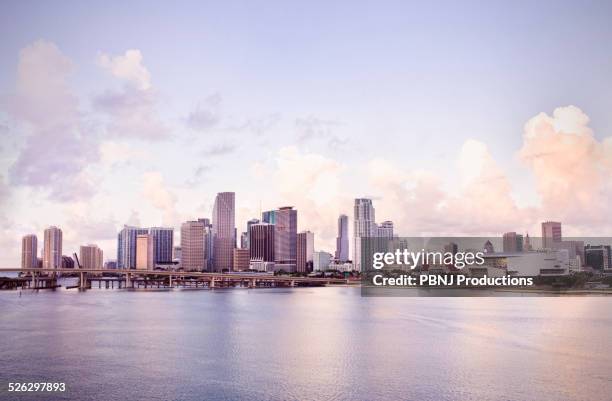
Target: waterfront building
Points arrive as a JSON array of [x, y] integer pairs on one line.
[[145, 252], [126, 246], [364, 229], [192, 246], [241, 259], [163, 238], [52, 251], [305, 251], [285, 239], [262, 242], [91, 257], [342, 240], [224, 230], [29, 252]]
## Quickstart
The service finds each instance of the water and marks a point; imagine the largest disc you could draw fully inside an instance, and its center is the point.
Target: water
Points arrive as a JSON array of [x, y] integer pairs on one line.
[[304, 344]]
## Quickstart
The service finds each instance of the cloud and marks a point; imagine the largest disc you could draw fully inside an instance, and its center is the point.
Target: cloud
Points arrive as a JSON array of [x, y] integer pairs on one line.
[[132, 111], [57, 148], [572, 169], [114, 153], [312, 183], [155, 191], [128, 67]]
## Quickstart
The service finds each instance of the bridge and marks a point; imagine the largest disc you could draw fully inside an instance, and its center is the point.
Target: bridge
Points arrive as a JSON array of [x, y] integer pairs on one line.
[[38, 278]]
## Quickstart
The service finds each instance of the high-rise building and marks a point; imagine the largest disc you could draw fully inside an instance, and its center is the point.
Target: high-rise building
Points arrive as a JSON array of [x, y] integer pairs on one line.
[[342, 240], [305, 251], [244, 240], [163, 238], [145, 252], [364, 221], [321, 260], [249, 224], [512, 242], [126, 246], [285, 239], [224, 230], [241, 259], [384, 230], [192, 246], [551, 233], [91, 257], [269, 217], [262, 242], [488, 247], [29, 252], [52, 251]]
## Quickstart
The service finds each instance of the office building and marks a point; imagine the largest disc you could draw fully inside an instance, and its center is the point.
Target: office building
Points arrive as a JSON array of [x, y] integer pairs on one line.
[[598, 257], [126, 246], [163, 238], [224, 231], [145, 252], [262, 242], [305, 251], [342, 240], [192, 246], [269, 217], [29, 252], [285, 239], [551, 233], [241, 259]]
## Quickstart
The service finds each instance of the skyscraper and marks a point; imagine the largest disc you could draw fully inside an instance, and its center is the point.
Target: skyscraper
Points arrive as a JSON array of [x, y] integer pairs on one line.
[[262, 242], [145, 252], [241, 259], [224, 230], [29, 252], [342, 240], [305, 251], [551, 233], [91, 256], [192, 246], [364, 220], [52, 251], [163, 238], [285, 239], [248, 231], [126, 246]]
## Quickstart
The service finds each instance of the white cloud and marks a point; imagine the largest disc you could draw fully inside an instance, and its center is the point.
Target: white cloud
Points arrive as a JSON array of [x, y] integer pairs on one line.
[[127, 67], [57, 149], [156, 192]]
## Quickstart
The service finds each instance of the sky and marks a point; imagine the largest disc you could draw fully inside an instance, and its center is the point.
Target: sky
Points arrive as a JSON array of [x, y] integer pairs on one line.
[[457, 118]]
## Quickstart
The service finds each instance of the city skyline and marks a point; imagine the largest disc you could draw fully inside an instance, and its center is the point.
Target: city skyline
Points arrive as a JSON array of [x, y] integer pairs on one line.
[[486, 132]]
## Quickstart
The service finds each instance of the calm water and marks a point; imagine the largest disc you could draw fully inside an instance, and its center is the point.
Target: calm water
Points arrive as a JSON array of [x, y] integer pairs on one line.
[[305, 344]]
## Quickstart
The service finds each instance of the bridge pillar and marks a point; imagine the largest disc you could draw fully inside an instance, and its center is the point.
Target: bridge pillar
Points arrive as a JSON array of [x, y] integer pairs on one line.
[[292, 283], [82, 281], [170, 281], [212, 282]]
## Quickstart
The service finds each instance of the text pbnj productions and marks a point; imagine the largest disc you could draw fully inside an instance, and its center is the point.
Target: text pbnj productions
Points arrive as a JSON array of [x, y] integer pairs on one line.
[[457, 260]]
